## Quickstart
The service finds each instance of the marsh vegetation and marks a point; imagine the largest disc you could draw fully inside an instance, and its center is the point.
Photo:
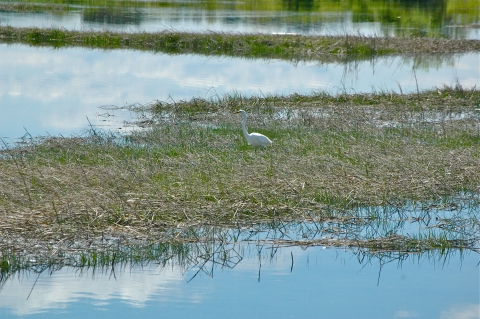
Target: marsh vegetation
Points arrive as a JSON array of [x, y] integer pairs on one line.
[[288, 47], [333, 158]]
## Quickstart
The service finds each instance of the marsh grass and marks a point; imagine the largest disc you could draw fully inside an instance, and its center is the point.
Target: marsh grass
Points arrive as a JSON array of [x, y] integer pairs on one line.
[[288, 47], [33, 7], [203, 249], [332, 156]]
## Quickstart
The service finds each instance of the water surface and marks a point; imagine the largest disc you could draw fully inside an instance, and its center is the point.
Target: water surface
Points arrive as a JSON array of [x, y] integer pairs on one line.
[[321, 283], [446, 18]]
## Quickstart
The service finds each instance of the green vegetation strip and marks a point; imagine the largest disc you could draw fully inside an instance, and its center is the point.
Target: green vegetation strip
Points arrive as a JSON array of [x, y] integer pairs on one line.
[[289, 47], [332, 157], [33, 7]]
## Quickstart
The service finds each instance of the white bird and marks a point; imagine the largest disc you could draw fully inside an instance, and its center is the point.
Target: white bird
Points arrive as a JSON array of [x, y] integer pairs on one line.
[[254, 139]]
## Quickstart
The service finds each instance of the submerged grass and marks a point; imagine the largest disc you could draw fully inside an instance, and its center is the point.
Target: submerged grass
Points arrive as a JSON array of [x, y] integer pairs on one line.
[[289, 47], [202, 249]]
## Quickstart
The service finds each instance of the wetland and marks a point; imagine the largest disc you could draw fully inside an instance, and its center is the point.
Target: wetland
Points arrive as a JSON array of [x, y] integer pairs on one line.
[[370, 190]]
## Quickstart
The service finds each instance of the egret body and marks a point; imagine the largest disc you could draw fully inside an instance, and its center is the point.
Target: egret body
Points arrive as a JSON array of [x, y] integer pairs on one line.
[[254, 139]]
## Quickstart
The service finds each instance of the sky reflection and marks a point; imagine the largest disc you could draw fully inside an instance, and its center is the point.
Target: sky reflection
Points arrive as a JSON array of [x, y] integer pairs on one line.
[[47, 91], [330, 283]]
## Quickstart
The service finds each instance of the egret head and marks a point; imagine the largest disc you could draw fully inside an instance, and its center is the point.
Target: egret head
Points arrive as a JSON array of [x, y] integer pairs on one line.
[[241, 112]]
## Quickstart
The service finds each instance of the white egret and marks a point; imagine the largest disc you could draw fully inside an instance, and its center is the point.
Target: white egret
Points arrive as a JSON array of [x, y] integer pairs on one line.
[[254, 139]]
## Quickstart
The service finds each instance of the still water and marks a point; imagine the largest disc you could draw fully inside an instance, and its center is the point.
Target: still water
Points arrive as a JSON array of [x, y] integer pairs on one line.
[[442, 18], [268, 282], [45, 91]]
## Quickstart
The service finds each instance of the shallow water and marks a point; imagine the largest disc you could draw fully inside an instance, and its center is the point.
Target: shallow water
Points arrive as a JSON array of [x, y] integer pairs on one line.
[[448, 18], [270, 270], [47, 91], [321, 283]]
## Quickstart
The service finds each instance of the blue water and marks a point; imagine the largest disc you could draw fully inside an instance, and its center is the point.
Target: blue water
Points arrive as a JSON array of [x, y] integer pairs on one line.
[[323, 283]]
